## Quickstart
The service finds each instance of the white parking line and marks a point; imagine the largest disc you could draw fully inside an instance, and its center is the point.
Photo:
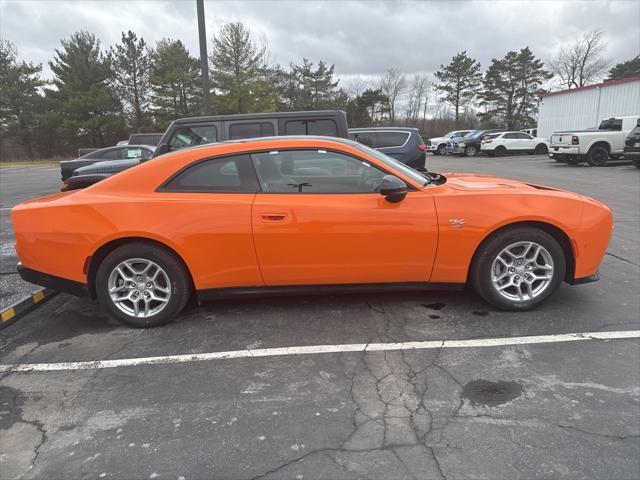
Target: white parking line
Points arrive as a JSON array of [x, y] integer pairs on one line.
[[319, 349]]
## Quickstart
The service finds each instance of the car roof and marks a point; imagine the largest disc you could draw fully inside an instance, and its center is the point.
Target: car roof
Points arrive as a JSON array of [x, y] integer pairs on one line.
[[384, 129], [257, 116]]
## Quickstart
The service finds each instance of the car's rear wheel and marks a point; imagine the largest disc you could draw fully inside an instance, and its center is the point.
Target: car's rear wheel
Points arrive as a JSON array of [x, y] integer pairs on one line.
[[500, 151], [518, 268], [142, 285], [541, 149], [636, 163], [598, 156], [470, 151], [442, 150]]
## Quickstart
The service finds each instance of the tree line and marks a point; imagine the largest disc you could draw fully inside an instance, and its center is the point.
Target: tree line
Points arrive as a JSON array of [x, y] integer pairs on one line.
[[98, 95]]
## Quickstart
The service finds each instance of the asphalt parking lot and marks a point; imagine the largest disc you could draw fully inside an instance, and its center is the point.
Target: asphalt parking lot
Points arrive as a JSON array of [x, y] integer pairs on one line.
[[516, 410]]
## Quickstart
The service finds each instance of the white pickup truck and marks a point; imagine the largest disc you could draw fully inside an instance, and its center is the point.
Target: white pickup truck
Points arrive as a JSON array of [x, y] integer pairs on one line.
[[595, 145]]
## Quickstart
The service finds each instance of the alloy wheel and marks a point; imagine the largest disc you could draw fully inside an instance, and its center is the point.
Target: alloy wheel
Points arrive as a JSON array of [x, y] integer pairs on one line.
[[139, 287], [522, 271]]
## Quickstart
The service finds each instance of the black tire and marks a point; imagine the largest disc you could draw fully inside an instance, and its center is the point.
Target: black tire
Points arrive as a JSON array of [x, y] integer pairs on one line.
[[178, 277], [470, 151], [541, 149], [481, 274], [598, 156], [636, 162], [500, 151], [442, 150]]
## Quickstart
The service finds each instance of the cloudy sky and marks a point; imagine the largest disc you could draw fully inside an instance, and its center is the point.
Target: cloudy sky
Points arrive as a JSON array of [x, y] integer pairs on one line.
[[362, 38]]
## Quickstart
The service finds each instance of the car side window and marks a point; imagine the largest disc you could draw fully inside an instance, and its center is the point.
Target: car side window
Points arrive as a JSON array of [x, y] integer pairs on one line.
[[510, 136], [250, 130], [523, 136], [391, 139], [233, 174], [315, 171], [115, 154], [323, 127], [192, 135], [365, 138]]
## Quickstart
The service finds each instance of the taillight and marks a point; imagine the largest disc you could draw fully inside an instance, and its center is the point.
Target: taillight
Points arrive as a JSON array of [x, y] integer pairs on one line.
[[575, 140], [421, 147], [487, 141]]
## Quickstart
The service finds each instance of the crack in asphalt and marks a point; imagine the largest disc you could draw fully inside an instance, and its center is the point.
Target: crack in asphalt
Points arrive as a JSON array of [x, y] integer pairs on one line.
[[622, 259]]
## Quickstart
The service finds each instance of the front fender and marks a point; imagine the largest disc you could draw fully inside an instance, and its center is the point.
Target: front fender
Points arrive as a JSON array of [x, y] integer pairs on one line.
[[483, 214]]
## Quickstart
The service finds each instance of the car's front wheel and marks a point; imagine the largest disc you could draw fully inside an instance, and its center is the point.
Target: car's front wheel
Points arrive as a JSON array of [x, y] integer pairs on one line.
[[442, 150], [142, 285], [541, 149], [518, 268]]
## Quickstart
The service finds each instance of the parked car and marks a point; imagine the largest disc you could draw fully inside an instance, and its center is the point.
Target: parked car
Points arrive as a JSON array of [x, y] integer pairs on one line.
[[188, 132], [88, 175], [469, 145], [498, 144], [152, 139], [403, 144], [110, 153], [595, 145], [303, 215], [632, 145], [438, 145], [531, 131]]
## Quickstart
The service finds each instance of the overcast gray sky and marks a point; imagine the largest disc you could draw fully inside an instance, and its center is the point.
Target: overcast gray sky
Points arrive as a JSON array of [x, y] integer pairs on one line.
[[359, 37]]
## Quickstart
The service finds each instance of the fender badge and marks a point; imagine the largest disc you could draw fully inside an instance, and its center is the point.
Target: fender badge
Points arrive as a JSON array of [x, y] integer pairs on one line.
[[456, 222]]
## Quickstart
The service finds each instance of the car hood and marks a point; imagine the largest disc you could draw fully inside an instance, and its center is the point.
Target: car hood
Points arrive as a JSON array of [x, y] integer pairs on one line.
[[109, 166], [473, 182], [438, 139]]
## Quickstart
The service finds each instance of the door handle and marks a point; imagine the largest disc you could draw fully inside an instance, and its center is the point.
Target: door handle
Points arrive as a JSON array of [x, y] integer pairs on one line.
[[273, 217]]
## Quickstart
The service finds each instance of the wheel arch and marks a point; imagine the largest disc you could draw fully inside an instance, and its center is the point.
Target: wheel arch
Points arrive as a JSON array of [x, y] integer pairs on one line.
[[105, 249], [556, 232], [599, 143]]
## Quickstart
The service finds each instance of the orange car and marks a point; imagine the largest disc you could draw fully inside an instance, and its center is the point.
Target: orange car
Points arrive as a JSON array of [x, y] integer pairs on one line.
[[303, 214]]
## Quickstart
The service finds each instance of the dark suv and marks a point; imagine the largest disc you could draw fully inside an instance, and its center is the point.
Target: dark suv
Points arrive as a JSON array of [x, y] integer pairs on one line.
[[189, 132], [469, 145], [632, 146], [403, 144]]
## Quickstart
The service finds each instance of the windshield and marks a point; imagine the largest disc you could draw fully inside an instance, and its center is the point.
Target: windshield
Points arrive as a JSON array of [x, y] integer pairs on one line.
[[477, 134], [393, 163]]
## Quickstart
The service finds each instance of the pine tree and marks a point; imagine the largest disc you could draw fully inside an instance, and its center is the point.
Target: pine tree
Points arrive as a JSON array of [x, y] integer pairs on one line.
[[131, 78], [511, 89], [304, 87], [19, 97], [630, 68], [87, 110], [459, 82], [175, 82], [239, 73]]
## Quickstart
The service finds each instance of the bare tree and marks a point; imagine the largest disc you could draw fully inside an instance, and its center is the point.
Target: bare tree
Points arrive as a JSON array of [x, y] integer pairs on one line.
[[356, 85], [415, 98], [582, 62], [393, 83]]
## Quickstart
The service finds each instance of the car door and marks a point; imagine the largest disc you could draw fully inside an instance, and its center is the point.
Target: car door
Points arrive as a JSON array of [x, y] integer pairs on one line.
[[320, 220], [525, 142], [207, 205]]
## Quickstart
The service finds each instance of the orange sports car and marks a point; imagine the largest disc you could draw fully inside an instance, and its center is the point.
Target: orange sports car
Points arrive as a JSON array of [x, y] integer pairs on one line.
[[302, 215]]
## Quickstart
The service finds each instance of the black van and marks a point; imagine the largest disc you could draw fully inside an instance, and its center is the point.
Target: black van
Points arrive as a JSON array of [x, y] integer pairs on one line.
[[188, 132]]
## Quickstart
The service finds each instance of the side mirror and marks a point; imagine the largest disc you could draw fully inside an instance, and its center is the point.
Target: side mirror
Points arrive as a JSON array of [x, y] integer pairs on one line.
[[161, 149], [393, 188]]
